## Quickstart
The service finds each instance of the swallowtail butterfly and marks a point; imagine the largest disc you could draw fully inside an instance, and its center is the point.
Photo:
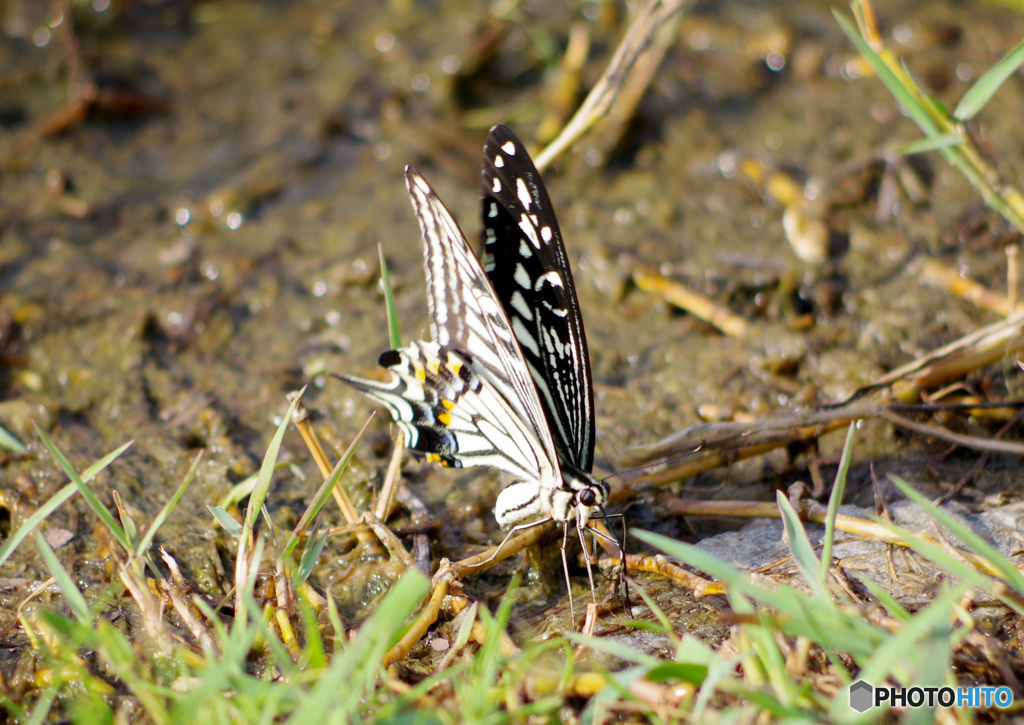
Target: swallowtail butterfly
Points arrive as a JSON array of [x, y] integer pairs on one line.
[[505, 382]]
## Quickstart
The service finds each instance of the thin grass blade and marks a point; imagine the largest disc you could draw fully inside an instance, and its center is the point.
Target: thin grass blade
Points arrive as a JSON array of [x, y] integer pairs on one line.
[[834, 501], [324, 492], [310, 553], [240, 490], [131, 530], [54, 503], [955, 565], [985, 87], [8, 441], [901, 655], [893, 607], [43, 706], [622, 651], [313, 652], [394, 334], [226, 520], [935, 143], [262, 487], [797, 613], [978, 545], [72, 594], [800, 545], [270, 639], [909, 100], [90, 498], [341, 692], [92, 471], [165, 511]]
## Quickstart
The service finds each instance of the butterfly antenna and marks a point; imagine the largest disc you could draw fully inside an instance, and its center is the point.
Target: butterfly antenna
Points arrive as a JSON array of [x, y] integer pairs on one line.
[[700, 447]]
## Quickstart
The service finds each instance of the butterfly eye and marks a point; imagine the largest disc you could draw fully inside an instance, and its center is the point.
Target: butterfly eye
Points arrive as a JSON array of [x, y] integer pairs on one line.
[[588, 497]]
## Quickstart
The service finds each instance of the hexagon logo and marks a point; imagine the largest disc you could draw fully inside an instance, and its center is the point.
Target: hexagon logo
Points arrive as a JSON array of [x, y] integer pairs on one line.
[[861, 696]]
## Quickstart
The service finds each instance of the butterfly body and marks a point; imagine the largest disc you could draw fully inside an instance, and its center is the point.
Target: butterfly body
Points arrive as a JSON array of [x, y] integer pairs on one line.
[[505, 382]]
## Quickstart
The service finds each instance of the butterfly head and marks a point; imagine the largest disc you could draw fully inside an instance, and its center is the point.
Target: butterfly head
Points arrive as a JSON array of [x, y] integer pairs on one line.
[[588, 496]]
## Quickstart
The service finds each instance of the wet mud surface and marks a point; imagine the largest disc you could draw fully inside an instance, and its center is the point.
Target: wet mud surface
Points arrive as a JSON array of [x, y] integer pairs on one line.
[[203, 237]]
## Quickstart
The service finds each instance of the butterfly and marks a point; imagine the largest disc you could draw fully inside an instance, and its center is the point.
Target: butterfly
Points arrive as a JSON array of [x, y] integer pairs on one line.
[[505, 382]]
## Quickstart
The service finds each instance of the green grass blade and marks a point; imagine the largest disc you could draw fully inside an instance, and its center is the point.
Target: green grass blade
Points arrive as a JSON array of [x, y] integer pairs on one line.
[[226, 520], [271, 641], [462, 637], [54, 503], [90, 498], [127, 522], [489, 657], [935, 122], [314, 655], [394, 334], [34, 520], [311, 552], [165, 511], [324, 492], [11, 443], [818, 619], [933, 661], [975, 543], [985, 87], [834, 501], [43, 706], [772, 662], [240, 490], [342, 691], [92, 471], [262, 487], [123, 660], [910, 102], [902, 655], [72, 594], [800, 545], [334, 619], [622, 651], [893, 607], [952, 564], [935, 143]]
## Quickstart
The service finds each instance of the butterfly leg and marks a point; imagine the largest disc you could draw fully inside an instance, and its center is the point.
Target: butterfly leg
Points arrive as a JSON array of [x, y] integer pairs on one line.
[[622, 553], [586, 555], [511, 532], [565, 569]]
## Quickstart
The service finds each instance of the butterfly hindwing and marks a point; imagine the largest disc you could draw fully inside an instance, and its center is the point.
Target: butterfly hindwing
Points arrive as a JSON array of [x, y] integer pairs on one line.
[[451, 415], [527, 265], [467, 398]]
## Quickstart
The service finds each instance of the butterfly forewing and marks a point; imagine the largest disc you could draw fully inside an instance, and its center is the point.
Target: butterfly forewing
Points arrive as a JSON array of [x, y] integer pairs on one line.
[[464, 314], [527, 265]]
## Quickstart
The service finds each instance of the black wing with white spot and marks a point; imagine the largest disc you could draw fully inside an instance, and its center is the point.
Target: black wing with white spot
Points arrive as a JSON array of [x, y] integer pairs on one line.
[[526, 262]]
